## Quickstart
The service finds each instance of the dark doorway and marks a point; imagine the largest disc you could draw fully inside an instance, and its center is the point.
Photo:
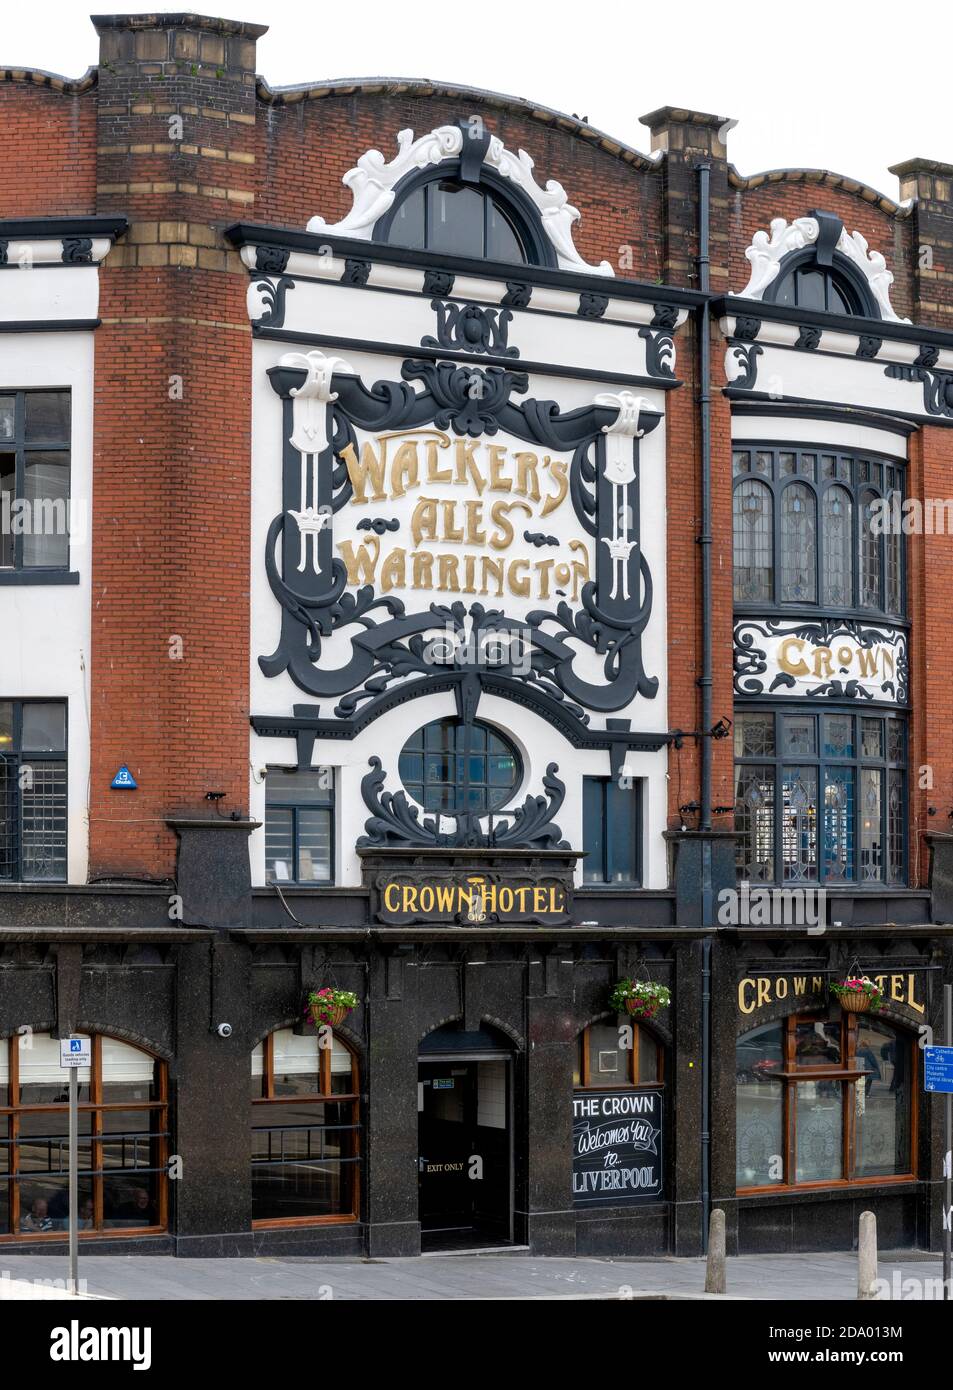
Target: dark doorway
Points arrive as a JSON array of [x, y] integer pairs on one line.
[[464, 1154]]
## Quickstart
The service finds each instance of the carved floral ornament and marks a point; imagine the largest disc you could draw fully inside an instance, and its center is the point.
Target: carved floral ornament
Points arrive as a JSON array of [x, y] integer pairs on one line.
[[767, 253], [373, 181]]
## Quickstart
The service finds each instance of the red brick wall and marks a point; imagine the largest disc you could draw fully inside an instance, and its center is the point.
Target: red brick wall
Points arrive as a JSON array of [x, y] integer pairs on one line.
[[320, 139], [930, 583], [49, 151]]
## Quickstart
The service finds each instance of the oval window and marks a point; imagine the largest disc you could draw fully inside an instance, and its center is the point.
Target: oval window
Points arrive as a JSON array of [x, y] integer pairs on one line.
[[458, 769]]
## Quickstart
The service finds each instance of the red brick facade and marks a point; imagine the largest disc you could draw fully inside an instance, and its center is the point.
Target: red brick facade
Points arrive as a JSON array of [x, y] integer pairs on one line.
[[176, 132]]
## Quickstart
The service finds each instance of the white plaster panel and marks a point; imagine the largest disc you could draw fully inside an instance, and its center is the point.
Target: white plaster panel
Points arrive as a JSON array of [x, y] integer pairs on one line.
[[46, 629], [805, 430]]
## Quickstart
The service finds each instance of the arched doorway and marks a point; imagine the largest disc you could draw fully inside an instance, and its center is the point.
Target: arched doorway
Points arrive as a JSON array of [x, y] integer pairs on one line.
[[465, 1139]]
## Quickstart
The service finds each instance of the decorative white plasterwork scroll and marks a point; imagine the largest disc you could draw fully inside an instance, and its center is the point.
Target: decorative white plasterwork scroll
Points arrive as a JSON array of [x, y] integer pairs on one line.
[[620, 472], [310, 437], [372, 182], [766, 254]]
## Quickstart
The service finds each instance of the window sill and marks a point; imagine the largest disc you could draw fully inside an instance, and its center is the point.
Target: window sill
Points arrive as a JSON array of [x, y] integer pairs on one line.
[[12, 578], [827, 1191]]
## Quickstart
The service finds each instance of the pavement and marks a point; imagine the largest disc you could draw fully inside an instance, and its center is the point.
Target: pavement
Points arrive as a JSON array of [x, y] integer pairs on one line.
[[908, 1275]]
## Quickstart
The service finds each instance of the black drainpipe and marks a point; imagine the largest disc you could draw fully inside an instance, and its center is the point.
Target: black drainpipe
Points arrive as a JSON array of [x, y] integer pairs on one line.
[[705, 680]]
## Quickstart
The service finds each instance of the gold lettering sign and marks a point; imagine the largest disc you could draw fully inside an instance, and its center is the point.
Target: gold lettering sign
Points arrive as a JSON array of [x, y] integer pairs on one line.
[[757, 992], [478, 497], [473, 898]]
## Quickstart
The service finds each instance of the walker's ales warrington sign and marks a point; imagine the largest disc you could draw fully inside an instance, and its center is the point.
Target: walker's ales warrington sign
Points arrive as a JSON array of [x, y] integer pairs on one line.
[[841, 660], [462, 899], [617, 1147]]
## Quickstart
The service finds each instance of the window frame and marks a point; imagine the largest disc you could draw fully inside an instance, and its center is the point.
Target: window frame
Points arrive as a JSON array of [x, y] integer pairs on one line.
[[461, 807], [823, 765], [20, 447], [632, 1080], [840, 275], [18, 757], [891, 549], [609, 789], [96, 1107], [325, 1097], [845, 1073], [519, 210], [330, 806]]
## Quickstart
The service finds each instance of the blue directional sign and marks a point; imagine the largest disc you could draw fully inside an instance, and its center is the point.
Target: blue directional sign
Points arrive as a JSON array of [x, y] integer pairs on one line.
[[124, 780], [938, 1068]]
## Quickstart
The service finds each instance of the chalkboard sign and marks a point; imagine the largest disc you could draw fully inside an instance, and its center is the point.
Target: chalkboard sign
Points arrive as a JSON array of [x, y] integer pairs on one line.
[[616, 1147]]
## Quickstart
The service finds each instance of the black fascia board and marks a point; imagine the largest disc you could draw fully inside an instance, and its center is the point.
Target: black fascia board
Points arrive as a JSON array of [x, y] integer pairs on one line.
[[349, 248], [732, 306], [37, 228]]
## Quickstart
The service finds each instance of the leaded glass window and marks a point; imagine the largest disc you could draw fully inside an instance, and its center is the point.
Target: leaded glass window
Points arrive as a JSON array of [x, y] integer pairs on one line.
[[798, 539], [814, 528], [820, 798]]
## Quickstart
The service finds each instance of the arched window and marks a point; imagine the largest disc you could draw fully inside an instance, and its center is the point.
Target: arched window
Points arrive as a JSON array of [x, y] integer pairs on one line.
[[123, 1140], [305, 1118], [753, 541], [459, 219], [825, 1098], [806, 285], [455, 768], [793, 503], [798, 540], [838, 539], [605, 1059]]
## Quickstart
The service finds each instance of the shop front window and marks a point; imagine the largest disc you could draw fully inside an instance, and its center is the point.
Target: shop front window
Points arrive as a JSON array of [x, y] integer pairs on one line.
[[305, 1104], [823, 1102], [123, 1139], [819, 799]]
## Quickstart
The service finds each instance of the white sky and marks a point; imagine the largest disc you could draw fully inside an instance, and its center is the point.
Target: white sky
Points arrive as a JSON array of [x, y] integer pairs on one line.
[[814, 84]]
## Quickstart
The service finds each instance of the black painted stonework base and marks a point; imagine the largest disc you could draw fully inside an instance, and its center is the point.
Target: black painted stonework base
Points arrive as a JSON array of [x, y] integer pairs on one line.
[[529, 989]]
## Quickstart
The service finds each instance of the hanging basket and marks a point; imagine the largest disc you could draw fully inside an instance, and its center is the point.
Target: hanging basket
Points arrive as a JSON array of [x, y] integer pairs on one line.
[[328, 1008], [858, 995], [639, 998], [642, 1008]]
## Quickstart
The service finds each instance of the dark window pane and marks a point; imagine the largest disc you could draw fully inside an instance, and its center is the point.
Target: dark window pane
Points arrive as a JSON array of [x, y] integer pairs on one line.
[[46, 416], [7, 490], [299, 788], [759, 1107], [46, 493], [798, 544], [839, 736], [7, 417], [871, 738], [871, 834], [455, 219], [882, 1101], [593, 829], [648, 1057], [44, 727], [754, 735], [623, 831], [129, 1200], [799, 734], [279, 844], [314, 846], [407, 227], [502, 243], [811, 289], [609, 1061], [753, 541], [838, 551], [838, 301], [839, 825], [43, 821], [754, 822], [799, 824], [820, 1129]]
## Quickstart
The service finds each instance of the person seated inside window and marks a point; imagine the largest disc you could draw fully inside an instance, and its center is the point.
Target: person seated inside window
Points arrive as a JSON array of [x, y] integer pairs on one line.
[[137, 1211], [85, 1221], [38, 1217]]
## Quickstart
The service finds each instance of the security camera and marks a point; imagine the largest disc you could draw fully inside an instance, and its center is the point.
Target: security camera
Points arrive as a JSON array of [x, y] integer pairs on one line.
[[224, 1030]]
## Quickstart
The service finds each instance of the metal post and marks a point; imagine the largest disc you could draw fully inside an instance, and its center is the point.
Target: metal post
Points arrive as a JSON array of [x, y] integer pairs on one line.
[[73, 1179], [947, 1149]]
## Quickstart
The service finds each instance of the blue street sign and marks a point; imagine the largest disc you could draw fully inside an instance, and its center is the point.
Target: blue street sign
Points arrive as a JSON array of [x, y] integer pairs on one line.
[[124, 780], [938, 1069]]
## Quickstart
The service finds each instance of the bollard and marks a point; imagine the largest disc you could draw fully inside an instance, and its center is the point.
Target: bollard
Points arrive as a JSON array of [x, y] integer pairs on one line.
[[867, 1273], [715, 1272]]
